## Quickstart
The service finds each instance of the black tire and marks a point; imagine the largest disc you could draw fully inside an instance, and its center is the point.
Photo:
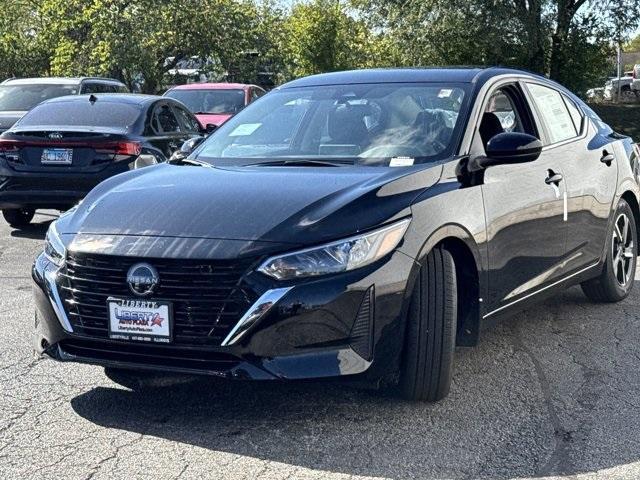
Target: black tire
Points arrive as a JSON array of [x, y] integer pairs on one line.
[[427, 365], [141, 379], [617, 277], [18, 217]]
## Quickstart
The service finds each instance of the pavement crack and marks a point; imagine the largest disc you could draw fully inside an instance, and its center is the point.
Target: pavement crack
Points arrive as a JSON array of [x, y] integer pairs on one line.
[[562, 438]]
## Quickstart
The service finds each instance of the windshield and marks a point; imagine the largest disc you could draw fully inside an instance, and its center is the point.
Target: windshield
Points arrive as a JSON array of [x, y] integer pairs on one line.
[[390, 124], [210, 101], [100, 113], [25, 97]]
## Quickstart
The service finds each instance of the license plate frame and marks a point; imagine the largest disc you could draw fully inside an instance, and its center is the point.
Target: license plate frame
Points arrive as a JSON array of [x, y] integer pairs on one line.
[[57, 156], [140, 321]]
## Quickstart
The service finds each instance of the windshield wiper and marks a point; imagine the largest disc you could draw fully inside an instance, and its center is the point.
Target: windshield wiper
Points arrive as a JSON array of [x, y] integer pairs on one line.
[[297, 163]]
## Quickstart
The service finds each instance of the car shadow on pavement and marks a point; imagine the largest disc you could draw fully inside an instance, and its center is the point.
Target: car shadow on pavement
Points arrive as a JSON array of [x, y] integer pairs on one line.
[[533, 399], [35, 231]]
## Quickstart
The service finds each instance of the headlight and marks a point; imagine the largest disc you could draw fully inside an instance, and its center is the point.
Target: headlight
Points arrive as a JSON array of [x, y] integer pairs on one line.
[[54, 249], [340, 256]]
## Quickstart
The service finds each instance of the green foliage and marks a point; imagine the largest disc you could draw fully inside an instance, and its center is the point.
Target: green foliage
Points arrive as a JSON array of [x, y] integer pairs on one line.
[[261, 41], [321, 36], [21, 50], [569, 40], [633, 45]]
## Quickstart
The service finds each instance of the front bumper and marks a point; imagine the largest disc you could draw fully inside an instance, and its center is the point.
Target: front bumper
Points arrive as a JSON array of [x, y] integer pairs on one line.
[[343, 325]]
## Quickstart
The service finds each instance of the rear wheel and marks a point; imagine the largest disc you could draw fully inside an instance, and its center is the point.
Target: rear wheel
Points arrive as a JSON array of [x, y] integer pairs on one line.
[[18, 217], [616, 279], [427, 366]]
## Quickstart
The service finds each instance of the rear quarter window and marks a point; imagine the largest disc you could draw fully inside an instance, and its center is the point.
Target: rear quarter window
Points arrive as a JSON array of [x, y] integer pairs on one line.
[[575, 113]]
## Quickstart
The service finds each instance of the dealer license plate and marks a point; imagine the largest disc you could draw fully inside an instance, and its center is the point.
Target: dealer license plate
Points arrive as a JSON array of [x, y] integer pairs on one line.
[[139, 320]]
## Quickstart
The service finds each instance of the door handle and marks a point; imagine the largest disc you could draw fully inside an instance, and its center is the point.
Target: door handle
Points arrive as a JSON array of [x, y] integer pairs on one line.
[[553, 178], [607, 158]]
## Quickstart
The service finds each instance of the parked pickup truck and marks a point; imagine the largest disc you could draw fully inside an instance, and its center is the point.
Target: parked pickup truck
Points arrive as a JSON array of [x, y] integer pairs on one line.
[[611, 88]]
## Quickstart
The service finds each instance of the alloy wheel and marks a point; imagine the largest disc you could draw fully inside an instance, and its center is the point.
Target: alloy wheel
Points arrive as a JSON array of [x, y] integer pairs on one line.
[[622, 250]]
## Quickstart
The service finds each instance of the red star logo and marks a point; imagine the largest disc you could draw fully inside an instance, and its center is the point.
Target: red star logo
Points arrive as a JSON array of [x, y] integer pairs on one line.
[[157, 320]]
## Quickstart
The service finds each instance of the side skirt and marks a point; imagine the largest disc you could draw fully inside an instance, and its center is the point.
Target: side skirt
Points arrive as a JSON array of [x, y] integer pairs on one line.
[[542, 293]]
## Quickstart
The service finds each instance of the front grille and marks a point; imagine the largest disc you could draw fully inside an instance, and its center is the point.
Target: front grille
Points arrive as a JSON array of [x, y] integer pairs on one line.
[[207, 296]]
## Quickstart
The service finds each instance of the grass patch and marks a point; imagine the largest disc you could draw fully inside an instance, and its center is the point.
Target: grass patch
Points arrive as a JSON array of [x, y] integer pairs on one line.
[[623, 118]]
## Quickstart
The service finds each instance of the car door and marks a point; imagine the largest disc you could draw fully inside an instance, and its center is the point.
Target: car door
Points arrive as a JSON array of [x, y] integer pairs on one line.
[[590, 180], [523, 203]]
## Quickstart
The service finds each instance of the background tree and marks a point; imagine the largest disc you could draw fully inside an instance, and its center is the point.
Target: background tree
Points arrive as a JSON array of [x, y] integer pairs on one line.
[[321, 36], [633, 45], [569, 40], [263, 41], [22, 52]]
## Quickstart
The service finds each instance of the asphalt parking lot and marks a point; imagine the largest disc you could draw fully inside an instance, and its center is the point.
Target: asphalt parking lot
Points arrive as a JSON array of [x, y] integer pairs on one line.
[[553, 393]]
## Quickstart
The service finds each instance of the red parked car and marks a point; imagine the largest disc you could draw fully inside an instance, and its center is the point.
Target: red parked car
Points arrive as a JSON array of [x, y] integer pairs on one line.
[[215, 103]]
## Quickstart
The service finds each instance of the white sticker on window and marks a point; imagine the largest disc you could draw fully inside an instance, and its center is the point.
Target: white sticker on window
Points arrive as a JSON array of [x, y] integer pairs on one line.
[[401, 161], [445, 93], [245, 129]]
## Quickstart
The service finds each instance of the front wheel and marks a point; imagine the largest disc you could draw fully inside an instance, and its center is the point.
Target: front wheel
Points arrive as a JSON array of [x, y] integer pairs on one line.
[[427, 366], [616, 279], [18, 217]]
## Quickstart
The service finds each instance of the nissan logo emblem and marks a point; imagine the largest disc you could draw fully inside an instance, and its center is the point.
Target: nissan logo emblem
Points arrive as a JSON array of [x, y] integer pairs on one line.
[[142, 279]]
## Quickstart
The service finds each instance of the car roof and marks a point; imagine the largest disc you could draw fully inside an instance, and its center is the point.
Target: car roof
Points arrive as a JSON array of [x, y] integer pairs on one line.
[[129, 98], [399, 75], [58, 80], [212, 86]]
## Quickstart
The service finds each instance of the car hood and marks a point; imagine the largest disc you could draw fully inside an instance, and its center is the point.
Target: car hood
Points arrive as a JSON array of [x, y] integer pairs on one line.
[[285, 205], [216, 119], [7, 119]]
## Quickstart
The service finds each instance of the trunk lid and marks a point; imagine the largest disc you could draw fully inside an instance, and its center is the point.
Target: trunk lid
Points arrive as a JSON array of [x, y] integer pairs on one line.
[[83, 150]]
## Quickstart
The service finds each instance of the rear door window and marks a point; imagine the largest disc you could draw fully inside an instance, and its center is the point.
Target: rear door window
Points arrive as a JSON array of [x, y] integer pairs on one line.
[[553, 112], [164, 120], [91, 87], [109, 88]]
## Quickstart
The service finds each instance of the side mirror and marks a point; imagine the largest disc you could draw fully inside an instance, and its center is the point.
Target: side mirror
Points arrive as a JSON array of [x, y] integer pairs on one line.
[[210, 128], [510, 147], [186, 149]]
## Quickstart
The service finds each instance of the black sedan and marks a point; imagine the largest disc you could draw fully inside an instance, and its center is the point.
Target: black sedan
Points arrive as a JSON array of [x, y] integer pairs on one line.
[[64, 147], [358, 224]]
